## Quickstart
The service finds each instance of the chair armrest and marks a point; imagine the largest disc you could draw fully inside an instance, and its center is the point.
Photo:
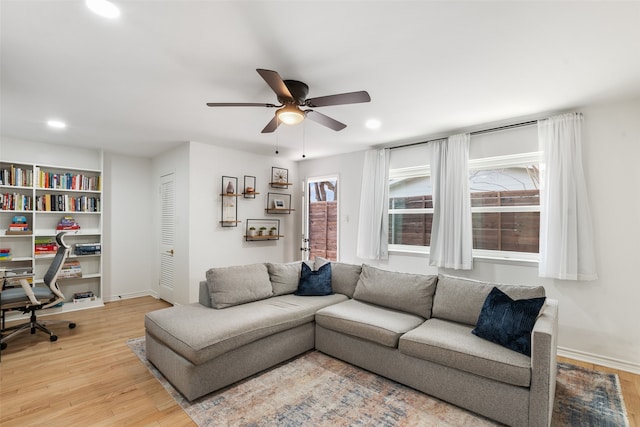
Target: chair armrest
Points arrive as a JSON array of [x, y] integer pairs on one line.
[[544, 347], [26, 286]]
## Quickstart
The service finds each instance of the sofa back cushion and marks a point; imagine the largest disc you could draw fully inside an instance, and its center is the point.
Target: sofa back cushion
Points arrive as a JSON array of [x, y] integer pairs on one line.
[[344, 277], [411, 293], [230, 286], [284, 277], [460, 300]]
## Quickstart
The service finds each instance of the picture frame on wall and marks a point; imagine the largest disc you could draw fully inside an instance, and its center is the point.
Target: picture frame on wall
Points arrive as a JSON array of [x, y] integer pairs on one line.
[[279, 204], [279, 177]]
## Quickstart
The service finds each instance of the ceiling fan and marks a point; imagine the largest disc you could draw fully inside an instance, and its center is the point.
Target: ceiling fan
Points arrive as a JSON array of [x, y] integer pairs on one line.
[[292, 95]]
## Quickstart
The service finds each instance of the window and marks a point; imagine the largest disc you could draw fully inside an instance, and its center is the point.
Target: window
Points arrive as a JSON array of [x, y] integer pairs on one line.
[[410, 207], [505, 199], [505, 204]]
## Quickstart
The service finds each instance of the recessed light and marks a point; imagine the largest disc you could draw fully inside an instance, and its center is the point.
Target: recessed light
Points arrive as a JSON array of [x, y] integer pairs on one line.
[[373, 124], [56, 124], [104, 8]]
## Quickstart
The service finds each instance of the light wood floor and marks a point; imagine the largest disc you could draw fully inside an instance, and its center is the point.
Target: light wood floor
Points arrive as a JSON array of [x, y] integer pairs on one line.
[[91, 377]]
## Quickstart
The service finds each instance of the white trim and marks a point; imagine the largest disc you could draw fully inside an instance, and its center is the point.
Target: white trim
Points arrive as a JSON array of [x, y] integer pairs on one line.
[[609, 362], [401, 211], [531, 257], [409, 249], [522, 159], [147, 293], [478, 254], [519, 208], [410, 172]]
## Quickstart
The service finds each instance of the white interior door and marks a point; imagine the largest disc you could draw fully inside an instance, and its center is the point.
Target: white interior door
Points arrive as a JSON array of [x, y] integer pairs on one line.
[[167, 236]]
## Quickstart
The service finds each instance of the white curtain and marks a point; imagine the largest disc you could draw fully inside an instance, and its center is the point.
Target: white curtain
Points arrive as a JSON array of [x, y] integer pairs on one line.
[[451, 232], [566, 237], [373, 224]]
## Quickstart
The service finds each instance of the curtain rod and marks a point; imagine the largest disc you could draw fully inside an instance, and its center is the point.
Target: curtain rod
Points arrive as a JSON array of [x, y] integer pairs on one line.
[[478, 132]]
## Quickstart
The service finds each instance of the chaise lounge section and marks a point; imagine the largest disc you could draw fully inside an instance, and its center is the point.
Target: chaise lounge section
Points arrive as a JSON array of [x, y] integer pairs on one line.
[[418, 330]]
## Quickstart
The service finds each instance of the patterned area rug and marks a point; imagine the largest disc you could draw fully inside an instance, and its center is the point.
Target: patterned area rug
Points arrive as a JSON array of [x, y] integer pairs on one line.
[[317, 390]]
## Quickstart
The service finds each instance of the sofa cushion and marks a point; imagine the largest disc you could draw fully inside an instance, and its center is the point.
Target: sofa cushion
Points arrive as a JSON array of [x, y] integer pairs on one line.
[[370, 322], [412, 293], [344, 277], [461, 300], [284, 277], [314, 283], [235, 285], [452, 344], [508, 322], [199, 333]]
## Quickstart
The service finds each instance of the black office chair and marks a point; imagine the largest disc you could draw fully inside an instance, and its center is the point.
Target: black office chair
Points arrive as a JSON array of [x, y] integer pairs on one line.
[[30, 299]]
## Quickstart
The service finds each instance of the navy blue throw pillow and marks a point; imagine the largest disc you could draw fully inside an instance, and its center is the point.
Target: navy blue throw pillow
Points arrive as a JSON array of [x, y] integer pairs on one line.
[[508, 322], [315, 282]]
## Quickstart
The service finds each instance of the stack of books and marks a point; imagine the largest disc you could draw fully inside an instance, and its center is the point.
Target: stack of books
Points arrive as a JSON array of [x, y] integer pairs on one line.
[[45, 246], [68, 223], [13, 276], [83, 297], [70, 269], [87, 248], [5, 254], [18, 225]]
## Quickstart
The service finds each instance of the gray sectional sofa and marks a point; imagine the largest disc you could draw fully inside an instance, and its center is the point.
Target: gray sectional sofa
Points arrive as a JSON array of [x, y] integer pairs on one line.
[[415, 329]]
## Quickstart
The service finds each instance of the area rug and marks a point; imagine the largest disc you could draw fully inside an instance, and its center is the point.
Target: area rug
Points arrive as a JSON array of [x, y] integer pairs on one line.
[[317, 390]]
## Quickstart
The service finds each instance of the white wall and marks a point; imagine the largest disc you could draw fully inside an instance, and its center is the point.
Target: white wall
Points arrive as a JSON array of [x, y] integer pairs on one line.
[[598, 319], [127, 193], [348, 168], [214, 246], [176, 162]]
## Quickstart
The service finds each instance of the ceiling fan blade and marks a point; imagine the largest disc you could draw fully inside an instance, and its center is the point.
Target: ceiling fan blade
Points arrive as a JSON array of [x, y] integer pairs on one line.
[[276, 83], [325, 120], [238, 104], [340, 99], [271, 126]]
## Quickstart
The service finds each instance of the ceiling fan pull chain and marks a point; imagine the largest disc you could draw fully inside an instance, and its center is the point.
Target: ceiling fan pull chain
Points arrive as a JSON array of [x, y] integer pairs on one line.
[[277, 138], [303, 133]]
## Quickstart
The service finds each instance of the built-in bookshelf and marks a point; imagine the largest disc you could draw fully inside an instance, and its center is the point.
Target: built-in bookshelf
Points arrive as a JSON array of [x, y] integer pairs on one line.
[[50, 198]]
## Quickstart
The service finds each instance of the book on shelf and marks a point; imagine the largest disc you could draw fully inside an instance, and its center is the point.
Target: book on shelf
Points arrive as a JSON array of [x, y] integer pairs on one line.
[[70, 269], [68, 181], [18, 225], [16, 176], [87, 248], [67, 223], [83, 296], [17, 232], [16, 272], [45, 246]]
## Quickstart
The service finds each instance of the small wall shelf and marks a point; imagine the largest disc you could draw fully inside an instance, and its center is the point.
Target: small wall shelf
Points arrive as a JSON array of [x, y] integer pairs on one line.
[[262, 229], [278, 203], [279, 178], [229, 195], [249, 188]]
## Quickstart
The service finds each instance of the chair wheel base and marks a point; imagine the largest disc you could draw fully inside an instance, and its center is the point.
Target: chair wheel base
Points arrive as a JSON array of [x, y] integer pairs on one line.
[[72, 325], [53, 338]]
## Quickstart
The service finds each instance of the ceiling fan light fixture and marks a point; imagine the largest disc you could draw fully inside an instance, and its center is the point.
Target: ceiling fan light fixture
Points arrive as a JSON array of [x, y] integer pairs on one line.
[[290, 115]]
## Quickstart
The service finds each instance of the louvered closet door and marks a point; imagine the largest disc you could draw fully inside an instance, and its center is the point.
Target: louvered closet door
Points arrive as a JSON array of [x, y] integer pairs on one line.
[[167, 236]]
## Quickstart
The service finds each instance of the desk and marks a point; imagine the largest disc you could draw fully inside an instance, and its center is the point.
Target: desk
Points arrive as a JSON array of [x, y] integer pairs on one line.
[[11, 278]]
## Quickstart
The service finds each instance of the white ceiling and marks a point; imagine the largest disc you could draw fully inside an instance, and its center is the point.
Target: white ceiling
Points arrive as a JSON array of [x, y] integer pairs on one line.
[[138, 85]]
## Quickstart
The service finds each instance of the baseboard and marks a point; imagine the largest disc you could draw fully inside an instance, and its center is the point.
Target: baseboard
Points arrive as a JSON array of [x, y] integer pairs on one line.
[[130, 295], [596, 359]]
